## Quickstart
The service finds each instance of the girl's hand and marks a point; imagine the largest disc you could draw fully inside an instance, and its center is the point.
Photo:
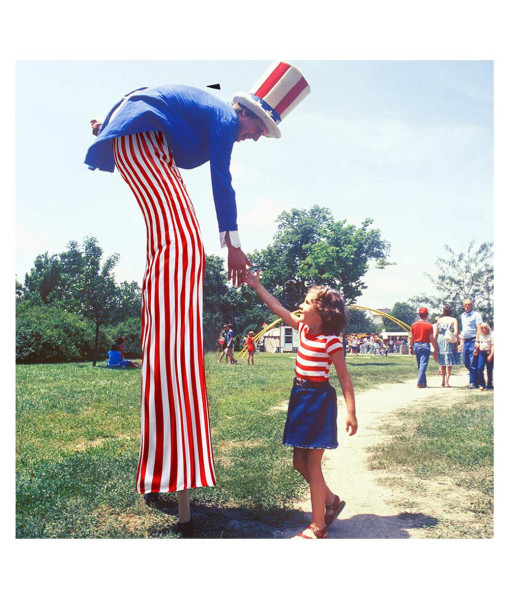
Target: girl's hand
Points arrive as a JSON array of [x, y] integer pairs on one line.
[[252, 279], [352, 424]]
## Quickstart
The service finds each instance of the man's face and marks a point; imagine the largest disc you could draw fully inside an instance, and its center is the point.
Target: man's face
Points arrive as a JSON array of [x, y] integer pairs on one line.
[[468, 306], [250, 129]]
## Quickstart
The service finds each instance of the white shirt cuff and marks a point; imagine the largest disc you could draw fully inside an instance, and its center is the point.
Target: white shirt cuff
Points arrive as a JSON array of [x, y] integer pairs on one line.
[[234, 239]]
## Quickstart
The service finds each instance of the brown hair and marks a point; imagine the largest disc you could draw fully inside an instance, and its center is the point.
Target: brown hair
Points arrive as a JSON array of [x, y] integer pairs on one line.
[[447, 310], [249, 113], [331, 308]]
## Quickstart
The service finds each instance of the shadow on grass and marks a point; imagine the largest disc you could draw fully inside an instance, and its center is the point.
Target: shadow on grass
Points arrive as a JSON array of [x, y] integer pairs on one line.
[[239, 523]]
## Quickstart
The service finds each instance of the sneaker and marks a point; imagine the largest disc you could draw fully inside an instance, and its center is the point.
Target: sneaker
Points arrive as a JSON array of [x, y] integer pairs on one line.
[[472, 386]]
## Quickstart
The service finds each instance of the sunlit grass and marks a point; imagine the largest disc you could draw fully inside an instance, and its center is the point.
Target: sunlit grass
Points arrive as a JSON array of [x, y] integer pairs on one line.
[[78, 443]]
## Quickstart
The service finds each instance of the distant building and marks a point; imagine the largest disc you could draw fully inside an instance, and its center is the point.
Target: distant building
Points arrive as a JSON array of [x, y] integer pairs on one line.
[[280, 339]]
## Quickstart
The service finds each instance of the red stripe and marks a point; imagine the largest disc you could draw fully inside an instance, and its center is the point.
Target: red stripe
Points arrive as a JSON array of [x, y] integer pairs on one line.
[[290, 96], [195, 325], [172, 367], [184, 376], [158, 185], [272, 80], [159, 307]]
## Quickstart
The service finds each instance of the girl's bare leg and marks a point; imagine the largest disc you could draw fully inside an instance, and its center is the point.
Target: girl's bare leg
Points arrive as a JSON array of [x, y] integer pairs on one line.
[[308, 462], [443, 373]]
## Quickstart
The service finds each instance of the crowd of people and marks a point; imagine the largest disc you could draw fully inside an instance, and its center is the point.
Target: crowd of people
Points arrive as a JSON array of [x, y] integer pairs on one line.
[[362, 343], [472, 345]]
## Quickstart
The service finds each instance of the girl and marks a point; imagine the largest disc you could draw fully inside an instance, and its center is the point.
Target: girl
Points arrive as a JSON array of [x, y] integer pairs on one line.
[[251, 347], [485, 356], [311, 418]]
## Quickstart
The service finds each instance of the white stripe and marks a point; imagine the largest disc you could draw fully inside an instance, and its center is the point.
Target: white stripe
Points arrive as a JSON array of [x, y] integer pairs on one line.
[[314, 363]]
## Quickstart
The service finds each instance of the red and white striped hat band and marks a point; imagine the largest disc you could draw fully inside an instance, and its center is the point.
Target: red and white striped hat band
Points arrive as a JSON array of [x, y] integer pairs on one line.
[[278, 91]]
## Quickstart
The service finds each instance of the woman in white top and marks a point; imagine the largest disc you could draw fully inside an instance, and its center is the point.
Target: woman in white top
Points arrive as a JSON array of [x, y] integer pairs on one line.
[[447, 338]]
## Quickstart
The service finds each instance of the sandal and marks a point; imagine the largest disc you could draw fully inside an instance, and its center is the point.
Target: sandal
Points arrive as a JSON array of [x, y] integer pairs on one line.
[[312, 533], [334, 510]]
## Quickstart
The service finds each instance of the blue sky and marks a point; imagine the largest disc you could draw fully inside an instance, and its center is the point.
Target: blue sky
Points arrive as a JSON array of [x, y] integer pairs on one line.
[[407, 143]]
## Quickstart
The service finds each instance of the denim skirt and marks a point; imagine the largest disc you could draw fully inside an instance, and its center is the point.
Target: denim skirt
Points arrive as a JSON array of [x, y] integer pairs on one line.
[[311, 417]]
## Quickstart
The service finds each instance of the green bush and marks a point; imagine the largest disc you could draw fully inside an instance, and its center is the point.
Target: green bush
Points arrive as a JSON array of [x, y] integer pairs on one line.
[[47, 334], [50, 335], [131, 329]]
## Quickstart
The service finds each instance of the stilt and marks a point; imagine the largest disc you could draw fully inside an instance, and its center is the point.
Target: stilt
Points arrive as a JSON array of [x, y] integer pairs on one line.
[[184, 525], [183, 506]]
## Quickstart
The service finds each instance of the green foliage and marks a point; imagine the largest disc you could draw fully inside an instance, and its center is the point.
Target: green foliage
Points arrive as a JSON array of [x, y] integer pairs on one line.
[[49, 334], [402, 311], [76, 282], [311, 248], [464, 275], [360, 322], [225, 304], [131, 329]]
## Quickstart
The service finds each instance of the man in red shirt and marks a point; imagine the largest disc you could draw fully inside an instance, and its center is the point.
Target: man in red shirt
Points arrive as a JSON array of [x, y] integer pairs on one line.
[[422, 335]]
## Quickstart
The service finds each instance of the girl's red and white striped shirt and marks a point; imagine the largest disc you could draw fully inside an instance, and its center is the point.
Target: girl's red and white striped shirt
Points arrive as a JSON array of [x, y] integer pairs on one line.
[[314, 354]]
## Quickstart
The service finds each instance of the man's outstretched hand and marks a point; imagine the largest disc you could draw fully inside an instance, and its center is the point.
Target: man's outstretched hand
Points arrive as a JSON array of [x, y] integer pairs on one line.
[[237, 265]]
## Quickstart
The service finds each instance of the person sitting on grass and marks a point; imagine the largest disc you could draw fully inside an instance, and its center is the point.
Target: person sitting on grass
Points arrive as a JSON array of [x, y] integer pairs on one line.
[[312, 413], [116, 361]]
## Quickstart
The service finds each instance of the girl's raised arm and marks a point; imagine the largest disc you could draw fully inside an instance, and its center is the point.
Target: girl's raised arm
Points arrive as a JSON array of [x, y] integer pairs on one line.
[[253, 280]]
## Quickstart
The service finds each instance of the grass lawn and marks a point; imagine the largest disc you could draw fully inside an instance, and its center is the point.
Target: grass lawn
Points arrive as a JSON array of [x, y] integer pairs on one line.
[[78, 442], [447, 453]]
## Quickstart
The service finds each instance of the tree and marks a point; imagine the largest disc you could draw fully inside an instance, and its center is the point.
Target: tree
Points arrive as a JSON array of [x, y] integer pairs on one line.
[[360, 322], [225, 304], [403, 312], [311, 248], [43, 284], [80, 282], [94, 288], [464, 275]]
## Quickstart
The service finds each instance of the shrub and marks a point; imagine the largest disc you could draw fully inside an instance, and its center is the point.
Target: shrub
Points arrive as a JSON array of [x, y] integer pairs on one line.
[[47, 334], [131, 330]]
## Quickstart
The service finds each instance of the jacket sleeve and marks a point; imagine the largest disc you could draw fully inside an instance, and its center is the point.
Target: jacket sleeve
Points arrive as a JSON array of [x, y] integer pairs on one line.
[[221, 180]]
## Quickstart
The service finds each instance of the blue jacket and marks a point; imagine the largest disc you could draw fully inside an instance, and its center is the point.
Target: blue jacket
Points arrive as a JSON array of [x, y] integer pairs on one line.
[[197, 126]]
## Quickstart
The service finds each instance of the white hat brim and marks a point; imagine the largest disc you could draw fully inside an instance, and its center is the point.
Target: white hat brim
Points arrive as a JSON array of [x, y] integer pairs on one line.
[[247, 101]]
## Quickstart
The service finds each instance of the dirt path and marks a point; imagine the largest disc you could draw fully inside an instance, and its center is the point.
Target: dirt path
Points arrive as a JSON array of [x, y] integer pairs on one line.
[[375, 510]]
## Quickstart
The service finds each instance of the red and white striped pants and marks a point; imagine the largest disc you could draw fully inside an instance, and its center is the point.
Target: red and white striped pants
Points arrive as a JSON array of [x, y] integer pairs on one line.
[[175, 449]]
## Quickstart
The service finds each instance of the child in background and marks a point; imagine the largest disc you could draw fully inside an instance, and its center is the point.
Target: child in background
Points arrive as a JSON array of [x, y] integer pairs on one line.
[[115, 359], [250, 347], [485, 356], [311, 417], [229, 340]]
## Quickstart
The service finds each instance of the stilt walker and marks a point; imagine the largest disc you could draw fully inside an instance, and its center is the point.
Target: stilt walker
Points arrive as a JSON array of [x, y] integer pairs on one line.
[[147, 136]]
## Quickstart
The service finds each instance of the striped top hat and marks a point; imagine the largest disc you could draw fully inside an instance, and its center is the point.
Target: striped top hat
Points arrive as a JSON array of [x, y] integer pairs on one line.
[[278, 91]]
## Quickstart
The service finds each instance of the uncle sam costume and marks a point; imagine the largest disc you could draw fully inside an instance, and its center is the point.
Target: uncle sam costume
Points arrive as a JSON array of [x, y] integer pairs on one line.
[[148, 136]]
